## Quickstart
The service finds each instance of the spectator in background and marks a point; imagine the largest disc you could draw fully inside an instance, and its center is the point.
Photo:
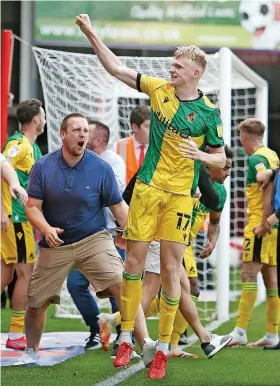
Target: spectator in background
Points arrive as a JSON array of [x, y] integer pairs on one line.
[[133, 149], [18, 245], [77, 283]]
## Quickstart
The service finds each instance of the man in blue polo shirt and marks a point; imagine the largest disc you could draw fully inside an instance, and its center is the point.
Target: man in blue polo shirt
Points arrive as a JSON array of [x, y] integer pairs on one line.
[[68, 192], [77, 283]]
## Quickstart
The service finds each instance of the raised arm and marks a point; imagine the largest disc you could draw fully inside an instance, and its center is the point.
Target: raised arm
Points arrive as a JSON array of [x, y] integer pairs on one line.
[[110, 61]]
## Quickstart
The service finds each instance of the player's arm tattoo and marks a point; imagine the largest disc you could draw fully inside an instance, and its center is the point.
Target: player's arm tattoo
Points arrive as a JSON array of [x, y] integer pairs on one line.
[[214, 226]]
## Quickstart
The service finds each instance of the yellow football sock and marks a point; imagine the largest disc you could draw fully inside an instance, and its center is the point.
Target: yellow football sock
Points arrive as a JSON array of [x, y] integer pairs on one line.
[[17, 322], [167, 311], [153, 308], [130, 300], [179, 326], [272, 311], [117, 316], [246, 304]]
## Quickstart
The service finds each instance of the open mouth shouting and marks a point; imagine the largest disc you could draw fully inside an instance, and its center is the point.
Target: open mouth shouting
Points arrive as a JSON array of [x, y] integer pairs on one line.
[[81, 144]]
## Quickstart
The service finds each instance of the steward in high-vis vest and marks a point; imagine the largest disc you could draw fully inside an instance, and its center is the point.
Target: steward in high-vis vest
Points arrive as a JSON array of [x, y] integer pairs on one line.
[[133, 149]]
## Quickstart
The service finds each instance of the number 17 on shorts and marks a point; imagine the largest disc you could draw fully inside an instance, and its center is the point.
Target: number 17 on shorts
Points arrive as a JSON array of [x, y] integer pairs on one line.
[[183, 224]]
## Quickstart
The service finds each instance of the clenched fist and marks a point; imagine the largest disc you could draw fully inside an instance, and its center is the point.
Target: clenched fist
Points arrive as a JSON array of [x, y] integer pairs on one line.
[[83, 21]]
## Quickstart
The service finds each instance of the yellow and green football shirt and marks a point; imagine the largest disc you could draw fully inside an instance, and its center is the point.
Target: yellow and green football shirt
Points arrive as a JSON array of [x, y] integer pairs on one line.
[[200, 211], [22, 156], [263, 158], [173, 121]]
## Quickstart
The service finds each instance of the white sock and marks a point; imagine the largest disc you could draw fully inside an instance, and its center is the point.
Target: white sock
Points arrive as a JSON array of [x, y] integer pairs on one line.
[[31, 351], [15, 335], [113, 319], [240, 331], [164, 347], [270, 335], [110, 318], [125, 337]]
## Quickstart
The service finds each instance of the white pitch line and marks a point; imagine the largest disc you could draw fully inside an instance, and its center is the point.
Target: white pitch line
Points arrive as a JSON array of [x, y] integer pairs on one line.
[[127, 373], [121, 375]]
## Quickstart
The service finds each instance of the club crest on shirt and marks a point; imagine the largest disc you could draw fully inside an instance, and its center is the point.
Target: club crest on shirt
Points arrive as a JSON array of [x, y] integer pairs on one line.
[[191, 117]]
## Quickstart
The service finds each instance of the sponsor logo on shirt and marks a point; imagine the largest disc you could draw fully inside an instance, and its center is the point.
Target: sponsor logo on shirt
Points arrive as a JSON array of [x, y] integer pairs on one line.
[[173, 132]]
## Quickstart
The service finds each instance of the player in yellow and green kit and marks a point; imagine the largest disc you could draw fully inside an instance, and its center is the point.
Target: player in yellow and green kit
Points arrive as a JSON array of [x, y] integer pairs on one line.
[[259, 248], [18, 249], [199, 215], [183, 122], [212, 194]]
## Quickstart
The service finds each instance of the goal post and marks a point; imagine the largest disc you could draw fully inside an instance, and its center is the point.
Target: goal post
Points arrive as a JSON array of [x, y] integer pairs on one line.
[[74, 82], [228, 60], [223, 260]]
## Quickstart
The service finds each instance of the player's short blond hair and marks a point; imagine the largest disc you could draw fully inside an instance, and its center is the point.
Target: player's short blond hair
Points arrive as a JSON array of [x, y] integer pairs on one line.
[[252, 126], [194, 53]]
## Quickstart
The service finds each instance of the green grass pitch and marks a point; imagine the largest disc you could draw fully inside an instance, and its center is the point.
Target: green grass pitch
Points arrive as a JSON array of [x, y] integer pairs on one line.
[[235, 366]]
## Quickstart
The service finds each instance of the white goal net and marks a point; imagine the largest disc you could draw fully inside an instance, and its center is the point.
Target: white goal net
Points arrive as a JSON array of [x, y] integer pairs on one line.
[[78, 83]]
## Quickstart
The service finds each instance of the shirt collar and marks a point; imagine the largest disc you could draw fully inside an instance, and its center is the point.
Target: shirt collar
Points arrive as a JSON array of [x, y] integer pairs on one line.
[[64, 165], [136, 143], [103, 153]]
